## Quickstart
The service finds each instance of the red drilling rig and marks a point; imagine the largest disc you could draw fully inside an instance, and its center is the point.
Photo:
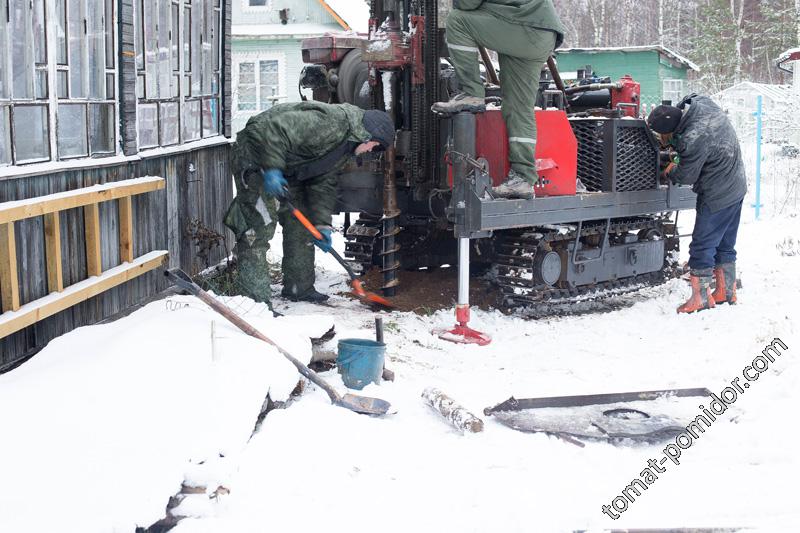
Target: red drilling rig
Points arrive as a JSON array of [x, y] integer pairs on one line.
[[601, 220]]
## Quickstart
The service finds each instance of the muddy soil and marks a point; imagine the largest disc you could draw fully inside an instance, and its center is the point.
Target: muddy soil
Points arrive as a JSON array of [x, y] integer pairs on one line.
[[426, 291]]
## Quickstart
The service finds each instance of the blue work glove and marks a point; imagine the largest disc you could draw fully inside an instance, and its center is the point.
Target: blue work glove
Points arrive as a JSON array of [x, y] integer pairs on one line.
[[274, 183], [326, 243]]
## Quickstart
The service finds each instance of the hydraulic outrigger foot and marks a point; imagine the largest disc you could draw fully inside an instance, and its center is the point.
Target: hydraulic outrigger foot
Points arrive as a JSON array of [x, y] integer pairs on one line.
[[461, 333]]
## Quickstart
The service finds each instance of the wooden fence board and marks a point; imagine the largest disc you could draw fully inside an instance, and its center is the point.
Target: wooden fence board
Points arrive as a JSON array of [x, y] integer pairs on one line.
[[9, 279], [52, 237], [39, 309]]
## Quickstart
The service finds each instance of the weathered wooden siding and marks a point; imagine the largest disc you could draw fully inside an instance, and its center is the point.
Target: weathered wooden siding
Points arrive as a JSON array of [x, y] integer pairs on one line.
[[199, 186]]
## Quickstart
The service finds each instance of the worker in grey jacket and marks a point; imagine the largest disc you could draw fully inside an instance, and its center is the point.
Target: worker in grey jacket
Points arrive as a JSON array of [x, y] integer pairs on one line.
[[708, 157], [524, 33]]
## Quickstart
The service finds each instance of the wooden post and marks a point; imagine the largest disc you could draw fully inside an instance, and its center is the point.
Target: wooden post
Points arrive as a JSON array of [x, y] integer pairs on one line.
[[91, 221], [9, 281], [52, 241], [126, 229]]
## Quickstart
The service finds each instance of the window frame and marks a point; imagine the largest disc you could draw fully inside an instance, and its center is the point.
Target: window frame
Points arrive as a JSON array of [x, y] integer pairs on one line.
[[665, 92], [247, 8], [189, 53], [52, 68], [256, 58]]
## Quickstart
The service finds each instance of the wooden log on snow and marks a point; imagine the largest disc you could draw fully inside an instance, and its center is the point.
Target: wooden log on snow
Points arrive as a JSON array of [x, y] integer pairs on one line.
[[457, 415]]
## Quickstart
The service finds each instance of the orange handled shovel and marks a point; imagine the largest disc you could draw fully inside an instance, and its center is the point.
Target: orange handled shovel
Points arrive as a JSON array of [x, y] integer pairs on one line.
[[369, 298]]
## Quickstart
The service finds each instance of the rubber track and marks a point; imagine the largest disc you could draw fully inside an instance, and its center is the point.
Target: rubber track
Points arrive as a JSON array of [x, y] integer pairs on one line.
[[547, 300]]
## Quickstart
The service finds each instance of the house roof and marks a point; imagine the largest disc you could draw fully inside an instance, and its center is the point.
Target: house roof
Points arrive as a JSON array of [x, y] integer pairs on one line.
[[351, 14], [666, 52], [777, 93], [792, 54]]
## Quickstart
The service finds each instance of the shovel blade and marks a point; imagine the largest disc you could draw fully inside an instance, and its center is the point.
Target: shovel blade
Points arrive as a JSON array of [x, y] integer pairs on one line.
[[364, 404]]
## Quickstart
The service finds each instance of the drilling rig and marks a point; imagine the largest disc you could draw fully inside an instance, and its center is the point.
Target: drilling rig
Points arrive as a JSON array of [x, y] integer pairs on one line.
[[601, 220]]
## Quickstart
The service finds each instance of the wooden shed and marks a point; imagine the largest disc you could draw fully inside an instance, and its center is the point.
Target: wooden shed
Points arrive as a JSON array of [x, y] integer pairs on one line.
[[664, 74], [115, 125]]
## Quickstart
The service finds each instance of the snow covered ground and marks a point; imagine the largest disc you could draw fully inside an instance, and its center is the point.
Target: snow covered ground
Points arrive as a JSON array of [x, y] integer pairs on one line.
[[104, 425]]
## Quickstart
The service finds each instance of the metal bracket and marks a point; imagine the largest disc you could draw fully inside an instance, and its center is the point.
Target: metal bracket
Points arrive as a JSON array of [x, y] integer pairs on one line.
[[578, 241]]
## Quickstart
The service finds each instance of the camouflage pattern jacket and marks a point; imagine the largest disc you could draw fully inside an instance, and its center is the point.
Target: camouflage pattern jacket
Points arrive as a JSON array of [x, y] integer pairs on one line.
[[292, 136]]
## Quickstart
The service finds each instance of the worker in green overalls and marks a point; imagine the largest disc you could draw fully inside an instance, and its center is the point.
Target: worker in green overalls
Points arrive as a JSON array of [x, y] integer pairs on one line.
[[299, 147], [524, 33]]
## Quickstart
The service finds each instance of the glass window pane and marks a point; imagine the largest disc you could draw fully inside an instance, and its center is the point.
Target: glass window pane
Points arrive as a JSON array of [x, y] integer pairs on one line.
[[40, 48], [109, 34], [215, 49], [71, 122], [110, 87], [63, 81], [147, 115], [246, 88], [77, 48], [208, 56], [5, 136], [101, 128], [258, 2], [187, 39], [170, 127], [41, 83], [140, 86], [138, 35], [247, 73], [61, 32], [5, 90], [31, 133], [210, 117], [268, 83], [97, 52], [197, 63], [191, 120], [21, 49], [151, 47], [164, 64], [187, 86], [175, 38]]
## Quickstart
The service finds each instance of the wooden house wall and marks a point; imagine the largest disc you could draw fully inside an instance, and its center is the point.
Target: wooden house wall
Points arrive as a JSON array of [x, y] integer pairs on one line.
[[198, 186]]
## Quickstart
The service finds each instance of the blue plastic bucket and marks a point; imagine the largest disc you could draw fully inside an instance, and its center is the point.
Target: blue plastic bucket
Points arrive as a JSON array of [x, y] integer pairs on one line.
[[360, 362]]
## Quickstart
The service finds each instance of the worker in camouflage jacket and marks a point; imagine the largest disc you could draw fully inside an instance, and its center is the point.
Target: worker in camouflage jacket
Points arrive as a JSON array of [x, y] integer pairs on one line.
[[299, 148], [524, 33], [707, 157]]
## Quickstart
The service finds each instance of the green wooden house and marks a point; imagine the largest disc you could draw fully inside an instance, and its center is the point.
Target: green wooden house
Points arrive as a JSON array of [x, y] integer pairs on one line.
[[664, 74]]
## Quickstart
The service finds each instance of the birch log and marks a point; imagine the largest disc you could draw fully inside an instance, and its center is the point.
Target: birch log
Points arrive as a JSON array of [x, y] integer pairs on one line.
[[458, 416]]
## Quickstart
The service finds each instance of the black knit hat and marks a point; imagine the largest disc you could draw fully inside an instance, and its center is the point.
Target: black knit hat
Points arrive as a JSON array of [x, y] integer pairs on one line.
[[665, 119], [380, 127]]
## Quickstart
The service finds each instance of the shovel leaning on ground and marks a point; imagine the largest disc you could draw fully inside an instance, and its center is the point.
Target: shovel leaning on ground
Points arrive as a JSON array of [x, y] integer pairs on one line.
[[359, 404], [368, 298]]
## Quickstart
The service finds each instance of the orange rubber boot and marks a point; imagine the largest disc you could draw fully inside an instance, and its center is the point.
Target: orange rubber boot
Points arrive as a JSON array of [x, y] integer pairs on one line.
[[725, 276], [701, 297]]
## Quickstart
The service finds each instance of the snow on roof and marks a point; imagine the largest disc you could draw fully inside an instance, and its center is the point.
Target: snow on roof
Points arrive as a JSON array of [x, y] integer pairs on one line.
[[354, 12], [777, 93], [282, 30], [664, 51], [792, 54]]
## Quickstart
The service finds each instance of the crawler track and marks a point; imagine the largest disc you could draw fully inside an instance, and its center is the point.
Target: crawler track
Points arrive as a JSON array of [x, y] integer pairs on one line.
[[525, 291]]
